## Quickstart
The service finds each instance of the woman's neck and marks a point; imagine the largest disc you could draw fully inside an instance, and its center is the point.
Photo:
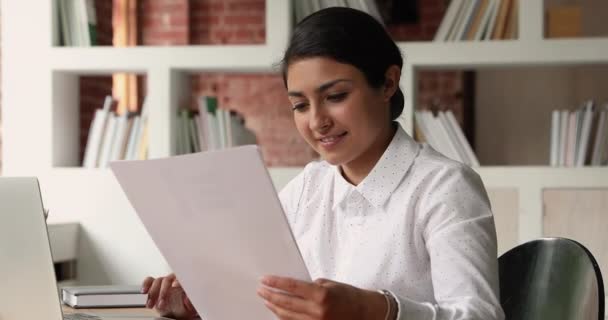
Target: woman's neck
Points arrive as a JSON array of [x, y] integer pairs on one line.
[[355, 171]]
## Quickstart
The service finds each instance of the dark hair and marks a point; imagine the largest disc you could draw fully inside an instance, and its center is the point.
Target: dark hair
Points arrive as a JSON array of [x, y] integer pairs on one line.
[[348, 36]]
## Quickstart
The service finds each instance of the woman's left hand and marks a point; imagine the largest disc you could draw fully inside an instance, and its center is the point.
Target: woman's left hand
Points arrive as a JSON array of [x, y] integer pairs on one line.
[[321, 299]]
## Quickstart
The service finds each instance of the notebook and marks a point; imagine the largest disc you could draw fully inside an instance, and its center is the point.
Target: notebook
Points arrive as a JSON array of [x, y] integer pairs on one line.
[[103, 296]]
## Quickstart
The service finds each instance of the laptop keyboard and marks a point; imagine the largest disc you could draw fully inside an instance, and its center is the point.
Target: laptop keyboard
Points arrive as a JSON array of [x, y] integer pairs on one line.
[[80, 316]]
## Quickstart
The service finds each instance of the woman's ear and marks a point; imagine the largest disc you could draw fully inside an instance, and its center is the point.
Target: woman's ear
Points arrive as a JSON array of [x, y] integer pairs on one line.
[[391, 82]]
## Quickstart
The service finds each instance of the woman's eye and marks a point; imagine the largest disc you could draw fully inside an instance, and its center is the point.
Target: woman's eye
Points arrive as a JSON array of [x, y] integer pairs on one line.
[[298, 106], [337, 97]]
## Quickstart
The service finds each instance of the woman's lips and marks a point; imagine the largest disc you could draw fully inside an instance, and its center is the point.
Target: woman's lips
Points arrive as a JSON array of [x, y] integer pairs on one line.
[[333, 140]]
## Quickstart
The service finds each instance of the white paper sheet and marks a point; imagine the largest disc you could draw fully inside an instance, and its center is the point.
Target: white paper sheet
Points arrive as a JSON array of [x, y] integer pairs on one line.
[[216, 218]]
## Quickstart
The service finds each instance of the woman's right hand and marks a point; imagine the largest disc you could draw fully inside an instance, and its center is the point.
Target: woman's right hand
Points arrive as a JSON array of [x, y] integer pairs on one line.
[[168, 298]]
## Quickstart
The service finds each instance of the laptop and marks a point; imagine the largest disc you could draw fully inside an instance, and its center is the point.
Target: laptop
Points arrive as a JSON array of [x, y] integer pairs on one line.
[[29, 289]]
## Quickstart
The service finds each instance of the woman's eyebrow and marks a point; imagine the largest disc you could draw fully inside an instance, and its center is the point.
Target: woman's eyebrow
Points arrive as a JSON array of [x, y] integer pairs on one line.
[[321, 88]]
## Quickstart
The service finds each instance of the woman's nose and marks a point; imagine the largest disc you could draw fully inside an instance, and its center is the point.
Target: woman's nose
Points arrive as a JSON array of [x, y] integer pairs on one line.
[[319, 120]]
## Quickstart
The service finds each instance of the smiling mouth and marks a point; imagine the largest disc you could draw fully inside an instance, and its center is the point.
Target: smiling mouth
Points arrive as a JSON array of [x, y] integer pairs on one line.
[[331, 140]]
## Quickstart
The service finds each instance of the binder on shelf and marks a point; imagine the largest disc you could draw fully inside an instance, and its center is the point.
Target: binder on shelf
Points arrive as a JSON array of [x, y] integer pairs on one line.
[[448, 20], [139, 150], [78, 22], [471, 157], [555, 150], [563, 136], [451, 136], [445, 135], [461, 21], [92, 146], [95, 140], [485, 20], [203, 121], [115, 137], [448, 147], [601, 138], [580, 137], [587, 117], [476, 19], [194, 136], [108, 141], [492, 20], [119, 137], [132, 144], [501, 20], [468, 20]]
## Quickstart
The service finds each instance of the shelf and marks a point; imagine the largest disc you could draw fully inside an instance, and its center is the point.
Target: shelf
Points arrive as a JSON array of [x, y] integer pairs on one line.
[[141, 59], [468, 54], [548, 177]]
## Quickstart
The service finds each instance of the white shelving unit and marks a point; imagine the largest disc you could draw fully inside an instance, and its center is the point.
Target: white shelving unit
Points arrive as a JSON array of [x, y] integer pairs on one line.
[[531, 49], [41, 126], [40, 118]]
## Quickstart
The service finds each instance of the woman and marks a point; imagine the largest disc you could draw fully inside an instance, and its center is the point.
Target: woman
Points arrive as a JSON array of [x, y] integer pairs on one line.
[[401, 231]]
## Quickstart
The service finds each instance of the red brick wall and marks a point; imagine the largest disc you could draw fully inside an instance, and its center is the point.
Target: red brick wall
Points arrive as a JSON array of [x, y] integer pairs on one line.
[[227, 21], [163, 22], [261, 98]]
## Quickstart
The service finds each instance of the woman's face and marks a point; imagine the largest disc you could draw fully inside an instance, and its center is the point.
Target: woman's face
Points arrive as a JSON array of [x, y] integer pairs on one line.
[[336, 111]]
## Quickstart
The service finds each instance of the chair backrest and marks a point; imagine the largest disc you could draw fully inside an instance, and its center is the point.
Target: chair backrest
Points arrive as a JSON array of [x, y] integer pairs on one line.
[[551, 278]]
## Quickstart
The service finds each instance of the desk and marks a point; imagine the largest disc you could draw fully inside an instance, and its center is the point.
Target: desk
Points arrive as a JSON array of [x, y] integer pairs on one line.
[[112, 311]]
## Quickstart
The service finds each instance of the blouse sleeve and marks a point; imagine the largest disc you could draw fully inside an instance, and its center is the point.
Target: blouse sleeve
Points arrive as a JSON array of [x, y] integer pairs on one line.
[[460, 238]]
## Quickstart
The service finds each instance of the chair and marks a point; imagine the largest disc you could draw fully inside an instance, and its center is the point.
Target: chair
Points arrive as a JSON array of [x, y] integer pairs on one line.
[[551, 278]]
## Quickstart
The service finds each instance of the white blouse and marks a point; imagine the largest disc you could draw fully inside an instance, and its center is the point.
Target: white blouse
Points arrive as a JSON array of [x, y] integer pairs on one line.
[[419, 225]]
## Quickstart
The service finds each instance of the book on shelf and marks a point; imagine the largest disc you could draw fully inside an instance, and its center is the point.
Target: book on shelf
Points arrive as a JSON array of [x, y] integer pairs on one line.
[[600, 144], [443, 133], [103, 296], [97, 134], [493, 15], [583, 138], [447, 23], [116, 137], [555, 128], [210, 128], [477, 20], [579, 137], [108, 141], [466, 19], [77, 22]]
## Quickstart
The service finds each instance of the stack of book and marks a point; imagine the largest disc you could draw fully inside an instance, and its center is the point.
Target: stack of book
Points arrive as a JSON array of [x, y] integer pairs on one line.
[[78, 23], [211, 128], [304, 8], [445, 135], [108, 296], [116, 137], [580, 137], [479, 20]]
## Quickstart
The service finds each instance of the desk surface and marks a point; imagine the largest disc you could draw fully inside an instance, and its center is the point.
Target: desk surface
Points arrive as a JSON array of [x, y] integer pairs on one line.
[[112, 311]]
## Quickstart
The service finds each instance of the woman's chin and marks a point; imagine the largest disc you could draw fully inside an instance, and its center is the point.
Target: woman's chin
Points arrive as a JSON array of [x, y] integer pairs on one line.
[[333, 158]]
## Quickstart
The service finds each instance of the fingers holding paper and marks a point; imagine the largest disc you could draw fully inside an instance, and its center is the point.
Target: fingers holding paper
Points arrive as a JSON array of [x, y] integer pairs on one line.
[[322, 299], [166, 295]]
